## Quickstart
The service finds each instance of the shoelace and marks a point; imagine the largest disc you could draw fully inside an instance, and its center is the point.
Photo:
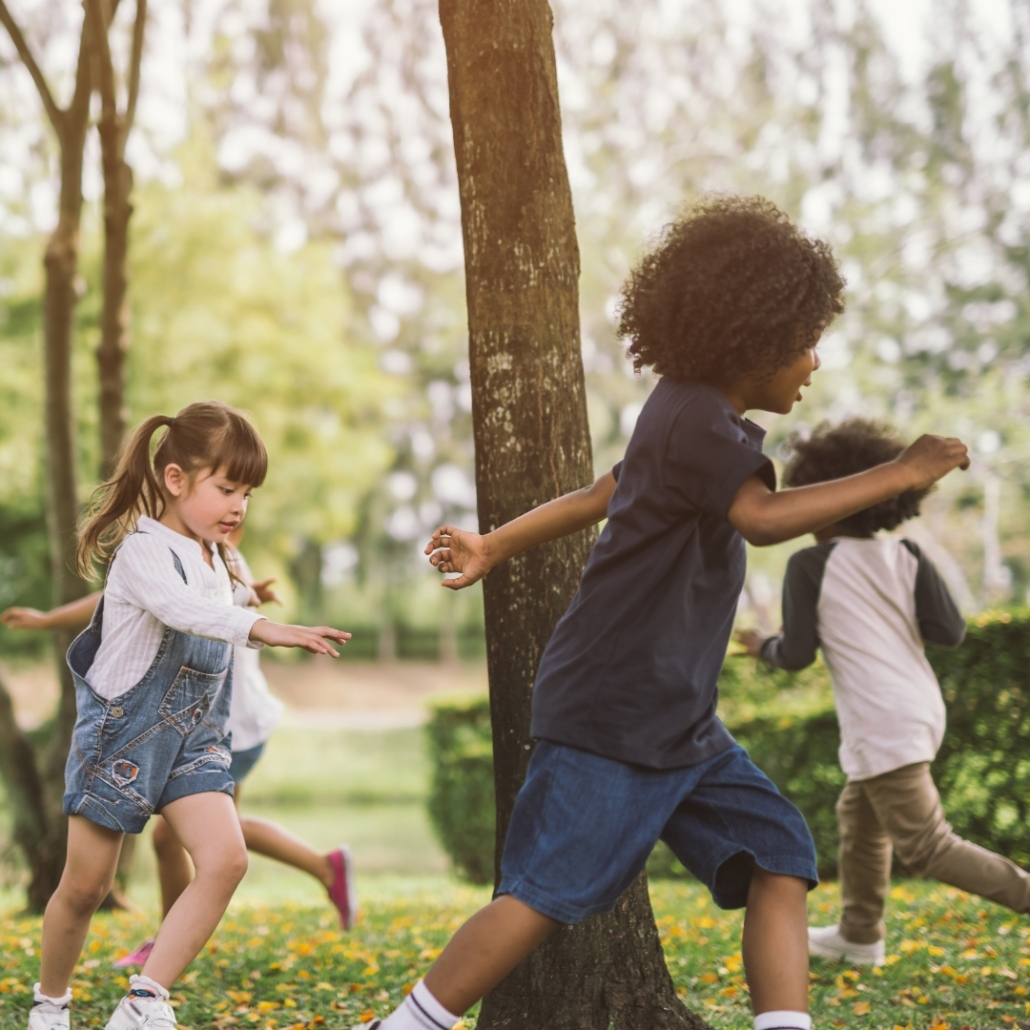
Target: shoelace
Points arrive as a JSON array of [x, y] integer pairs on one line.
[[159, 1015]]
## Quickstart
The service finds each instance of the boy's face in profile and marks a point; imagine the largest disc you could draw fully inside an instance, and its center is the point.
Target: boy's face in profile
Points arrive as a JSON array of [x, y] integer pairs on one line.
[[779, 393]]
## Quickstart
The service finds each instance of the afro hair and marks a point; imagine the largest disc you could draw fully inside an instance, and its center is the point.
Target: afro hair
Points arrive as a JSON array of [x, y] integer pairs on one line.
[[858, 444], [731, 289]]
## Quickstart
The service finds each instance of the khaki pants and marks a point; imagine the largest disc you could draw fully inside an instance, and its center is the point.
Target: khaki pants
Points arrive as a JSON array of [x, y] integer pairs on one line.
[[902, 810]]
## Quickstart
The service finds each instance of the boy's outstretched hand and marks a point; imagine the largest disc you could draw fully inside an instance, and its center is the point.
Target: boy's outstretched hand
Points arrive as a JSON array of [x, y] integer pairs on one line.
[[931, 458], [458, 550], [24, 618], [751, 640]]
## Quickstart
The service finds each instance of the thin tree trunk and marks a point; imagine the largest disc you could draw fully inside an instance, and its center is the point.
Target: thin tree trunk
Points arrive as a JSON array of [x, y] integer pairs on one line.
[[46, 845], [114, 127], [532, 444]]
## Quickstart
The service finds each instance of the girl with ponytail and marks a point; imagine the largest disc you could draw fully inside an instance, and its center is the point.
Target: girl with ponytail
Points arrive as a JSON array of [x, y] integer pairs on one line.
[[152, 680]]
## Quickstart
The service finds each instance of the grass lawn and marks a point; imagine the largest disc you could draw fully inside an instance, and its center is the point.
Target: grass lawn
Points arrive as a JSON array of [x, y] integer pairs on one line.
[[953, 961]]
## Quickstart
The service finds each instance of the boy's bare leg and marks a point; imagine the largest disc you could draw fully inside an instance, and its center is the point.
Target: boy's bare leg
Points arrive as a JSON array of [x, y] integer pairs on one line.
[[88, 874], [776, 942], [174, 869], [485, 950], [210, 831]]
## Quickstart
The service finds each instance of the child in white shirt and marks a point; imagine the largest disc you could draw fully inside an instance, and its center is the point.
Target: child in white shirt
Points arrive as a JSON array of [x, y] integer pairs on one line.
[[870, 604], [152, 682]]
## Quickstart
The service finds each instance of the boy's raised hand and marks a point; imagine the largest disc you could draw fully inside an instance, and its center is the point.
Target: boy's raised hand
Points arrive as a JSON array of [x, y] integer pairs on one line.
[[931, 458], [314, 639], [458, 550]]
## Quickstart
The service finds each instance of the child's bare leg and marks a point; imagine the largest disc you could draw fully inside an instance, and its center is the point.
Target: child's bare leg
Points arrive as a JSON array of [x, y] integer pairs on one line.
[[209, 830], [88, 874], [174, 870], [485, 950], [776, 942], [273, 841]]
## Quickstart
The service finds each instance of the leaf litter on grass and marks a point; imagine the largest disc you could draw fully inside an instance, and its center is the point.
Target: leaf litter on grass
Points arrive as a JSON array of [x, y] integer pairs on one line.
[[953, 962]]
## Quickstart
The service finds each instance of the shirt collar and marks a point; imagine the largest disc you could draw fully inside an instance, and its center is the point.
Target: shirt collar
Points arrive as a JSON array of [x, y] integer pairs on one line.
[[170, 537]]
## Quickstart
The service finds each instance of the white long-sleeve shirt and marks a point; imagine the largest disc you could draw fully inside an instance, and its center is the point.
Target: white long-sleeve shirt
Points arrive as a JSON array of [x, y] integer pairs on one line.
[[254, 710], [145, 593]]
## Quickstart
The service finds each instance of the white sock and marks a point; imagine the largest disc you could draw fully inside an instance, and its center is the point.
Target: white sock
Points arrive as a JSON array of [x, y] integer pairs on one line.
[[39, 996], [139, 982], [420, 1011], [783, 1020]]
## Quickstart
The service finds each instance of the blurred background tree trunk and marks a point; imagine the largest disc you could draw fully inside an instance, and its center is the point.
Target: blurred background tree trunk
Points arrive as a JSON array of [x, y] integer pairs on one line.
[[36, 790], [532, 444], [114, 128]]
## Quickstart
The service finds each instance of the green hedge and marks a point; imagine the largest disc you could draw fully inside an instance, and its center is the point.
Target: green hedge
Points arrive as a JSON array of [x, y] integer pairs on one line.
[[788, 725]]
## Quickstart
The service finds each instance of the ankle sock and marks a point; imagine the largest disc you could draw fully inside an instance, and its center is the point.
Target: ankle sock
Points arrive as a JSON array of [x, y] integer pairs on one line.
[[783, 1020], [139, 982], [420, 1011], [39, 997]]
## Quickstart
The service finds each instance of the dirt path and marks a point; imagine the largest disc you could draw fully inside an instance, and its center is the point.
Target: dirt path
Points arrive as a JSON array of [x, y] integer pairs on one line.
[[319, 692]]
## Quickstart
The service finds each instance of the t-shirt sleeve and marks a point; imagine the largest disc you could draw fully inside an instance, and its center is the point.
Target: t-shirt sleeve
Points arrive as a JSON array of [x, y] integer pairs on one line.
[[709, 458], [940, 621], [616, 469], [795, 646]]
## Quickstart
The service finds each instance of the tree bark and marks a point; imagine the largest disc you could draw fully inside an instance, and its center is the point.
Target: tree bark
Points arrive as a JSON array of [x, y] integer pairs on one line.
[[532, 444], [45, 845], [114, 127]]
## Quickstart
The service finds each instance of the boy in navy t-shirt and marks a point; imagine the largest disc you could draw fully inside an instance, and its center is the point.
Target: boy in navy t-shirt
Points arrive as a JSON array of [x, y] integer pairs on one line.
[[727, 309]]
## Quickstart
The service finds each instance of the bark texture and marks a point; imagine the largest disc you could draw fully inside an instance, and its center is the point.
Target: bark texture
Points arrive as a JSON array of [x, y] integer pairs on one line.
[[114, 128], [532, 444], [37, 785]]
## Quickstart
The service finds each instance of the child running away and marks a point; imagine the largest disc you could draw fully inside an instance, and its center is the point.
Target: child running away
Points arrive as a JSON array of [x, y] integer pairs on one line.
[[152, 676], [871, 604], [727, 309]]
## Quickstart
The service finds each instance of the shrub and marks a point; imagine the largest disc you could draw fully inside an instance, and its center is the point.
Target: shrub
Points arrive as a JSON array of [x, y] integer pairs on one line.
[[788, 724]]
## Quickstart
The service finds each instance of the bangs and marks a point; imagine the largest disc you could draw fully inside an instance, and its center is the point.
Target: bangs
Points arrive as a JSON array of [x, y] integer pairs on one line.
[[241, 453]]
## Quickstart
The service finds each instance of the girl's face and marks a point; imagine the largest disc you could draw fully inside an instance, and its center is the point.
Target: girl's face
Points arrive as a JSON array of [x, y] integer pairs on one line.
[[206, 505]]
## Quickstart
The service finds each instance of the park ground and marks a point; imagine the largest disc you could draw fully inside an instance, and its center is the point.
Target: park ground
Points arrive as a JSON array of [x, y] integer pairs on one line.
[[349, 764]]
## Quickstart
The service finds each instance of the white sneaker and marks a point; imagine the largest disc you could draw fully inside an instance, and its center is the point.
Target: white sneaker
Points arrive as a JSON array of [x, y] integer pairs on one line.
[[46, 1015], [139, 1011], [827, 942]]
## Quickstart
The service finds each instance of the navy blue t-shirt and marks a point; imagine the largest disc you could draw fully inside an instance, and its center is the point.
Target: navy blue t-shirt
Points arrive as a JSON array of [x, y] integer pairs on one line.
[[632, 668]]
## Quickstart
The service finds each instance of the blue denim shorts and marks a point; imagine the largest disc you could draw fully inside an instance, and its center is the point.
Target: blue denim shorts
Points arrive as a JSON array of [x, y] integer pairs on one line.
[[583, 827], [243, 761]]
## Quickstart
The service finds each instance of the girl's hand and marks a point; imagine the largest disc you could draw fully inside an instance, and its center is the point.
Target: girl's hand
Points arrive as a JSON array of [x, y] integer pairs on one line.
[[25, 618], [264, 593], [751, 640], [316, 640], [458, 550]]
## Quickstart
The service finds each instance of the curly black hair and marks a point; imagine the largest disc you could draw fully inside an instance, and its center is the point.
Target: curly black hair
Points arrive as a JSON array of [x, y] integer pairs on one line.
[[732, 288], [832, 452]]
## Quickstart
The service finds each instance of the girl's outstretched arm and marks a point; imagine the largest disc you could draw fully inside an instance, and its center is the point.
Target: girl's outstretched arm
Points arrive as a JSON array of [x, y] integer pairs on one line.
[[74, 615], [474, 555], [764, 517]]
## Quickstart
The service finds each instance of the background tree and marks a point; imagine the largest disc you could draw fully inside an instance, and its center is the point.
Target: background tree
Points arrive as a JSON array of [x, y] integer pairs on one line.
[[114, 127], [36, 789], [532, 444]]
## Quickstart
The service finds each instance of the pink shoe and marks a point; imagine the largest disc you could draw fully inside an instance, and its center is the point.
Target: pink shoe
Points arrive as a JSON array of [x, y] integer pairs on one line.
[[341, 894], [136, 958]]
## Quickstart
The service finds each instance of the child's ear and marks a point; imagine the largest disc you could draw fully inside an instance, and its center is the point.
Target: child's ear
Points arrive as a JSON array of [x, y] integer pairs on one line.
[[175, 480]]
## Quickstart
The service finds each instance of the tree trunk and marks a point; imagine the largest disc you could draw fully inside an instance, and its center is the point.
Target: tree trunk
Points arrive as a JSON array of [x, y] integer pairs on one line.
[[532, 444], [37, 789]]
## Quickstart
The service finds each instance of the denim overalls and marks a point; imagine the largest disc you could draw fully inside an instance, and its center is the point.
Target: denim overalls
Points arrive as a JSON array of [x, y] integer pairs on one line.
[[161, 740]]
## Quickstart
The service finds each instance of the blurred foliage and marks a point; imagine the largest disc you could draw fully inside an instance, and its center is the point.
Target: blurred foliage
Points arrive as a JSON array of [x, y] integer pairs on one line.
[[788, 724], [461, 790]]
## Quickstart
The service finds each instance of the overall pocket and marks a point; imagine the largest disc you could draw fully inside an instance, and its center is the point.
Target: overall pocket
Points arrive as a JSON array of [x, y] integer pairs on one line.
[[190, 697]]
